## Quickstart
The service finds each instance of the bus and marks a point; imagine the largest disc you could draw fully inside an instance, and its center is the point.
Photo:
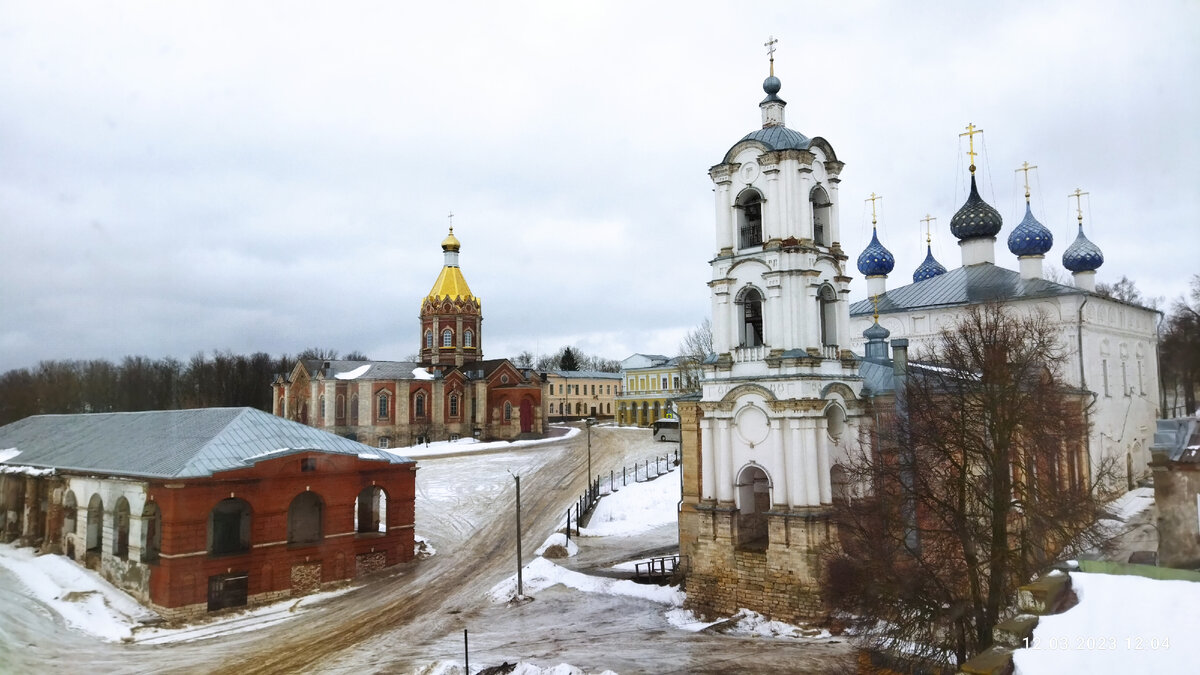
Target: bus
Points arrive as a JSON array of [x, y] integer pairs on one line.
[[666, 429]]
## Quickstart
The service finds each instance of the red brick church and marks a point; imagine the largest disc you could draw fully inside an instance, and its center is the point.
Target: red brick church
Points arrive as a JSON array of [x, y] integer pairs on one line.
[[451, 393]]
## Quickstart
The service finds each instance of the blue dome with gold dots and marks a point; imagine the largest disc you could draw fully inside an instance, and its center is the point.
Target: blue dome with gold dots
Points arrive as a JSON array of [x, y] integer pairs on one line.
[[875, 260], [928, 269], [1082, 255], [976, 218], [1030, 237]]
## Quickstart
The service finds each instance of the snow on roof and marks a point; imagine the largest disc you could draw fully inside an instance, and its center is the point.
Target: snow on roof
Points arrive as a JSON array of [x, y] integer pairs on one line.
[[354, 374], [421, 374], [8, 454], [26, 470]]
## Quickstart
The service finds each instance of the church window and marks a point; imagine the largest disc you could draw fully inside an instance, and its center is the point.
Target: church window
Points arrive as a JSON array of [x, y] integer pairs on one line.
[[504, 379], [419, 405], [304, 519], [447, 338], [507, 411], [321, 410], [454, 405], [469, 338], [341, 407], [382, 404], [428, 338], [821, 209], [229, 527], [752, 318], [749, 219]]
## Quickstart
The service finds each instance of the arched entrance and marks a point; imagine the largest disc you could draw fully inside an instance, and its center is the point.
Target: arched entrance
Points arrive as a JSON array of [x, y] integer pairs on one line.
[[526, 416], [753, 502]]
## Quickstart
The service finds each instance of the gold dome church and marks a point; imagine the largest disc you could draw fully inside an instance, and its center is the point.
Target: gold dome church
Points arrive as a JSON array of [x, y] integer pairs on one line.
[[451, 393]]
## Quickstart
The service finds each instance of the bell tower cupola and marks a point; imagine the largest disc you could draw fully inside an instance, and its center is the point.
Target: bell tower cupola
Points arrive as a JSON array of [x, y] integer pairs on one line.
[[451, 317]]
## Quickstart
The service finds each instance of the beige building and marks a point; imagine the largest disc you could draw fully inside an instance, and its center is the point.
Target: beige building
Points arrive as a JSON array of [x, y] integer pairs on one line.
[[651, 381], [575, 394]]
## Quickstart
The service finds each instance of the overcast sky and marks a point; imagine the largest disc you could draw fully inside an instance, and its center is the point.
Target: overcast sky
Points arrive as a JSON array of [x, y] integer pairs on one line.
[[182, 177]]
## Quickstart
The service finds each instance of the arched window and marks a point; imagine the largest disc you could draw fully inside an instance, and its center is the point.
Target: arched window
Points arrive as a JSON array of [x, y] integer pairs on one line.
[[151, 532], [507, 411], [383, 405], [341, 407], [121, 529], [821, 207], [229, 527], [419, 405], [645, 414], [752, 318], [469, 338], [827, 299], [70, 513], [835, 422], [753, 502], [656, 410], [370, 511], [95, 524], [447, 338], [428, 338], [749, 219], [454, 405], [304, 519]]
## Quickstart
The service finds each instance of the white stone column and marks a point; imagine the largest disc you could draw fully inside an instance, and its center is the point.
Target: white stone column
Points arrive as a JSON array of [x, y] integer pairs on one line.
[[835, 220], [724, 208], [778, 467], [724, 457], [842, 312], [794, 465], [804, 228], [330, 411], [708, 478], [812, 326], [812, 464], [823, 464], [773, 218]]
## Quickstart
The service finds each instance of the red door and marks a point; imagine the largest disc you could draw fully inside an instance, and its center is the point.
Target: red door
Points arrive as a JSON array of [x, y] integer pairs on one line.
[[526, 416]]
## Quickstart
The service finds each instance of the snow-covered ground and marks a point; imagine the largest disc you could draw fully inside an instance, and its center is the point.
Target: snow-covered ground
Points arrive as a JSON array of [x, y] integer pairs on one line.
[[1122, 624], [470, 446], [635, 508]]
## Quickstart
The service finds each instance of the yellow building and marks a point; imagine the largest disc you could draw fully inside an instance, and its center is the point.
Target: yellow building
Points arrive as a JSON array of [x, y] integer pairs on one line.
[[576, 394], [650, 382]]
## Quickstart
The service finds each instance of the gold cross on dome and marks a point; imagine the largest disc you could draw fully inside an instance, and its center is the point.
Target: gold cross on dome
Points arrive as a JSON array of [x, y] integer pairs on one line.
[[1077, 194], [770, 45], [927, 219], [451, 217], [873, 199], [1026, 166], [970, 134]]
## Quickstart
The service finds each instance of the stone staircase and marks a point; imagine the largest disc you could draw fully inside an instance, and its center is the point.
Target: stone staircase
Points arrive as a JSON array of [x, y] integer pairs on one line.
[[1048, 595]]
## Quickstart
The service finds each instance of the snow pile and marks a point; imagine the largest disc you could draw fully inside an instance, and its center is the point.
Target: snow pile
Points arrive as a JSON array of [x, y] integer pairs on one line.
[[422, 549], [745, 622], [353, 374], [465, 446], [422, 374], [684, 619], [85, 601], [635, 508], [1122, 624], [558, 539], [26, 470], [542, 574]]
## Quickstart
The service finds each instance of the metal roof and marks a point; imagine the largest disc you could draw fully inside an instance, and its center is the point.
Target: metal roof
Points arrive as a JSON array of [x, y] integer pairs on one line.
[[594, 374], [963, 286], [169, 443]]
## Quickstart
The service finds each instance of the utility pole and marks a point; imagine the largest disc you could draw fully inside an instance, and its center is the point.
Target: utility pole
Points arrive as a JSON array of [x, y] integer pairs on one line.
[[520, 583], [589, 422]]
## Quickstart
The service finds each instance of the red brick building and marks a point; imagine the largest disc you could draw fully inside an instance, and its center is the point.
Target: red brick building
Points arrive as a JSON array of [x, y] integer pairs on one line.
[[451, 392], [197, 510]]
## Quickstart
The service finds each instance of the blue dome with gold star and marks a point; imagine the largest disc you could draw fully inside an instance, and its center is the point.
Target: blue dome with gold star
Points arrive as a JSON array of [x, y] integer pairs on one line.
[[875, 260], [976, 218], [928, 269], [1030, 237], [1082, 255]]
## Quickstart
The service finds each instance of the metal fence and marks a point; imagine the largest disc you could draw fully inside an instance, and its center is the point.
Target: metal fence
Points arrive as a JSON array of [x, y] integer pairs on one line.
[[640, 472]]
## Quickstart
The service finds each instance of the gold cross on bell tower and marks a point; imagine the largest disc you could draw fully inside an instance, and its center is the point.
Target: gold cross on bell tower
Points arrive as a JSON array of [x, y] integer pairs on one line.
[[1078, 194], [970, 134], [1026, 166], [928, 219], [770, 45], [873, 199]]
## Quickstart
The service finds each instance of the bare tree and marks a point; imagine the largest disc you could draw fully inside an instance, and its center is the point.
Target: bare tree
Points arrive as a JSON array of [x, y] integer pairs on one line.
[[697, 345], [973, 480], [1180, 352]]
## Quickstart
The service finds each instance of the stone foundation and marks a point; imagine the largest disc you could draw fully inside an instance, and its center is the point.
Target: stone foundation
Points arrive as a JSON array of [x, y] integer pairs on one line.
[[781, 582]]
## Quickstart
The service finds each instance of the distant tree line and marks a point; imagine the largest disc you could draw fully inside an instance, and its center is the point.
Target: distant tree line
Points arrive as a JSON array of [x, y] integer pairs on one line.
[[140, 383], [567, 358]]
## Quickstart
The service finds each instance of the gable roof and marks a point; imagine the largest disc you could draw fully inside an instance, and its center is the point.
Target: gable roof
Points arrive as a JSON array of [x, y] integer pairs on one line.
[[964, 286], [169, 443]]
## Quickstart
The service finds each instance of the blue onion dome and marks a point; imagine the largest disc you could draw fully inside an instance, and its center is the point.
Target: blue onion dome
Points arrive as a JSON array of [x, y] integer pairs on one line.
[[1030, 237], [875, 260], [772, 85], [928, 269], [876, 332], [1082, 255], [976, 218]]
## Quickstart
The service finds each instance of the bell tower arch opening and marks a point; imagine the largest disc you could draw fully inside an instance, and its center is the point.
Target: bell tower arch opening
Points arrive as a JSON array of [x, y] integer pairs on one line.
[[753, 502]]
